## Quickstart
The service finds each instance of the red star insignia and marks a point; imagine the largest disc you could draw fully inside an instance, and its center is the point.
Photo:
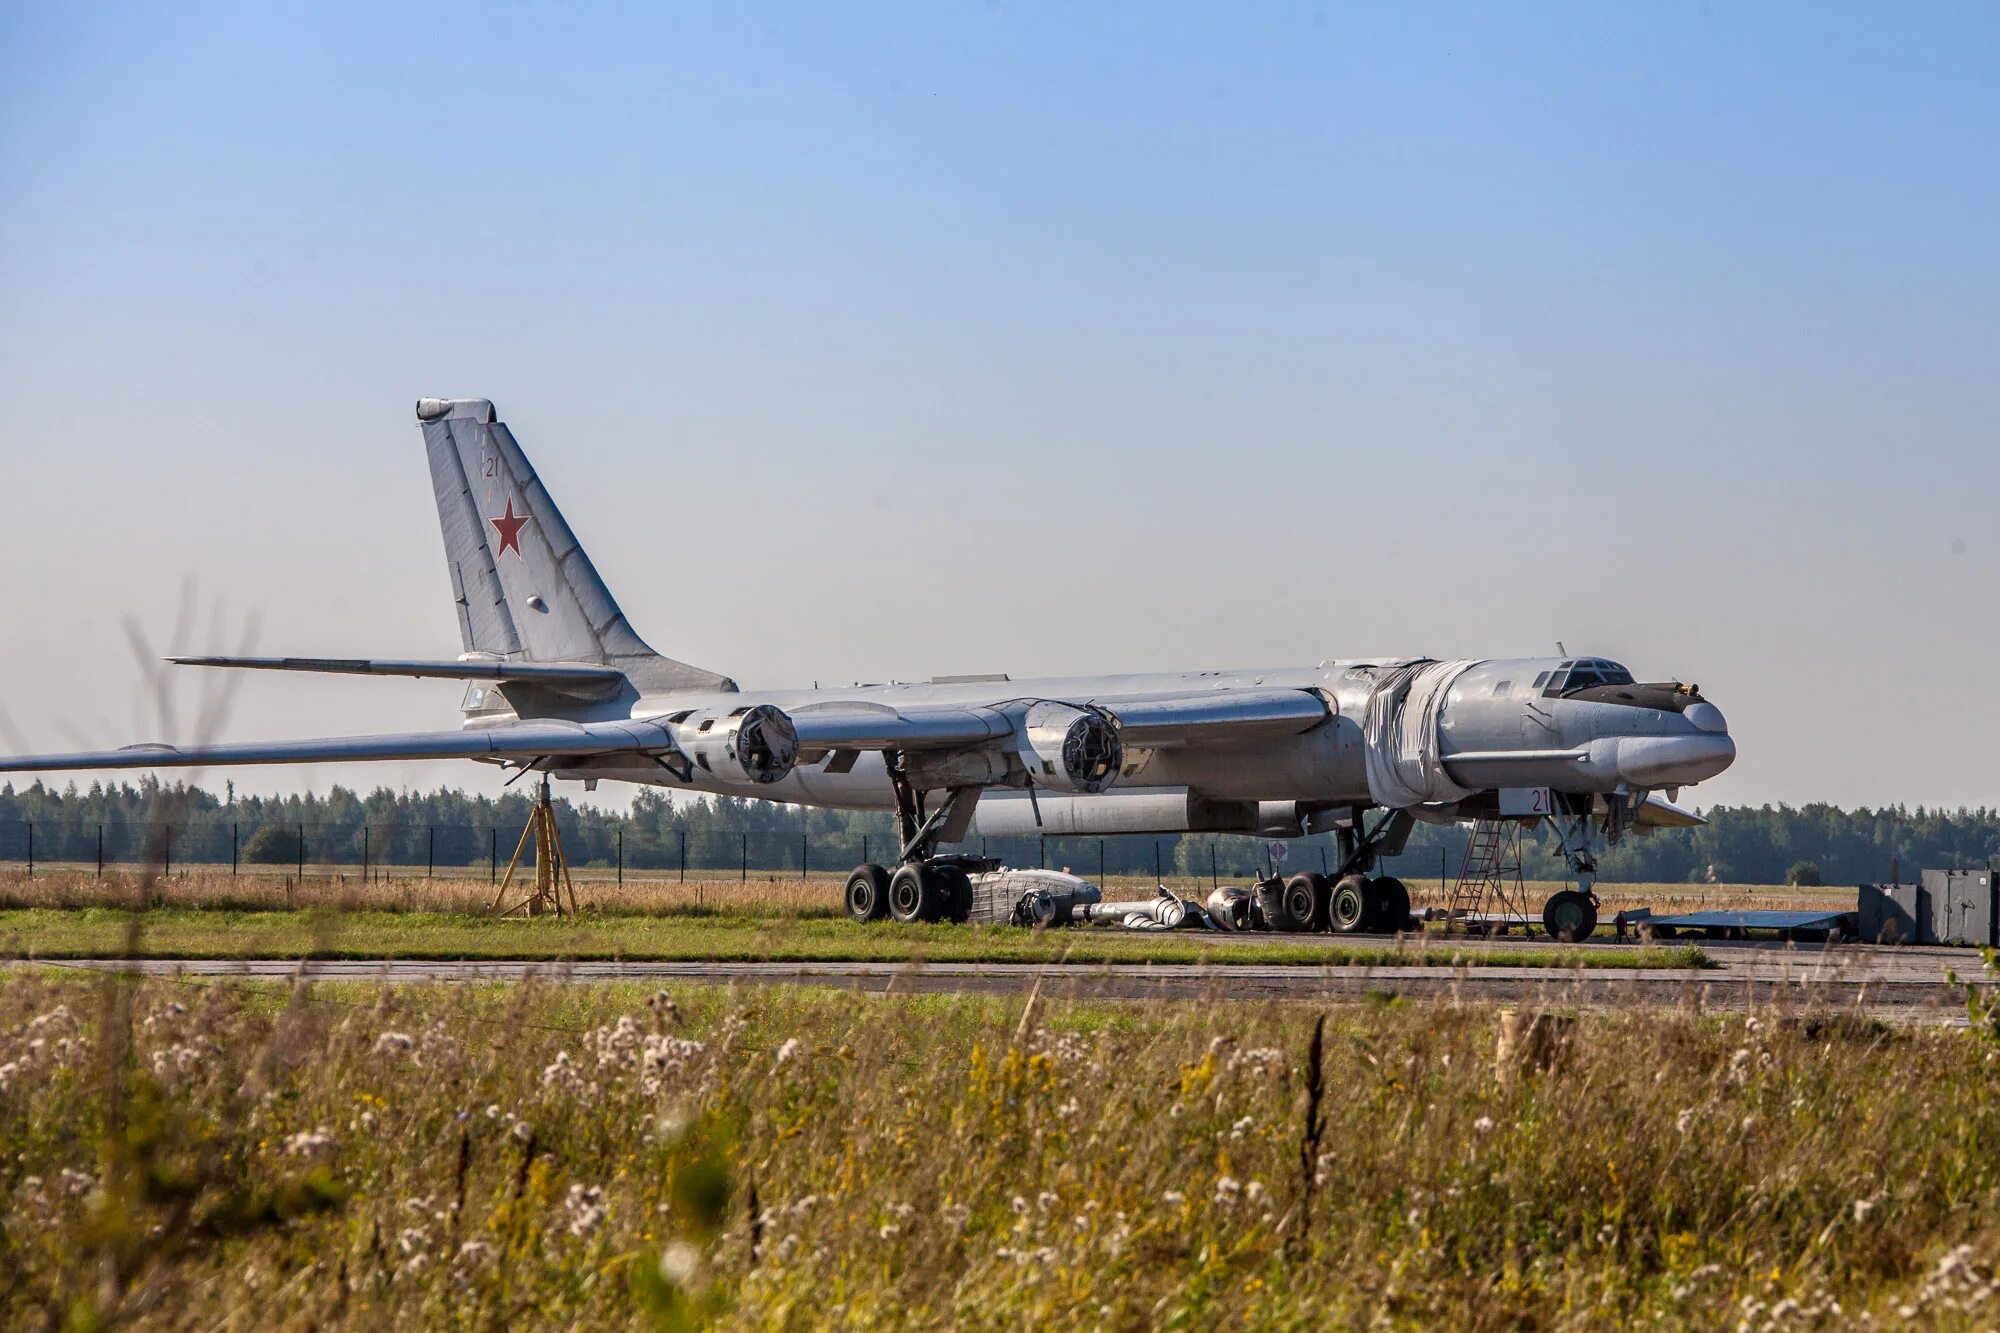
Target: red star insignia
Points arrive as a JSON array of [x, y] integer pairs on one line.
[[509, 528]]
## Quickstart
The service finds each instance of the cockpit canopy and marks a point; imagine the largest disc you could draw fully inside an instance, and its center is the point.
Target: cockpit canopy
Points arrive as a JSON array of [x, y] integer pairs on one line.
[[1581, 673]]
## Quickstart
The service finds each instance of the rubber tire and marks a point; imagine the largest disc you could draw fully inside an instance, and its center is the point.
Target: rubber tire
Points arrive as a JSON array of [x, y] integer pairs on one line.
[[867, 893], [915, 894], [957, 893], [1304, 902], [1347, 907], [1392, 905], [1569, 916]]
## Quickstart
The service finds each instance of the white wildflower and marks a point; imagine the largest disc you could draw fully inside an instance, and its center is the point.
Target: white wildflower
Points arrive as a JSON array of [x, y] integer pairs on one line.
[[1483, 1124], [680, 1263], [586, 1209], [1684, 1121], [395, 1043], [311, 1144], [1173, 1198], [1863, 1207], [786, 1051], [1242, 1127], [1045, 1200], [1227, 1188]]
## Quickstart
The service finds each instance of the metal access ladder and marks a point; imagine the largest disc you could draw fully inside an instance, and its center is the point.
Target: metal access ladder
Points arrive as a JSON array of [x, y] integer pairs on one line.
[[1490, 894]]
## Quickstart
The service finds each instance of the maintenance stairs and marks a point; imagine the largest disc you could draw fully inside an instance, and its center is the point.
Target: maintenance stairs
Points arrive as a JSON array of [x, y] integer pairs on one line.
[[1490, 895]]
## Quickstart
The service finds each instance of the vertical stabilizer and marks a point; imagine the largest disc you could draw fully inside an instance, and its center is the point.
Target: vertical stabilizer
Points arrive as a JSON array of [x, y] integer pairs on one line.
[[524, 587]]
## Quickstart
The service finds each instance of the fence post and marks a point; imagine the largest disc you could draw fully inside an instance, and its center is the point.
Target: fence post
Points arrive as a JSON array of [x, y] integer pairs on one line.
[[235, 859], [1214, 878], [1042, 853], [364, 853], [1441, 887], [302, 855], [31, 849], [864, 849], [802, 857], [1156, 862], [100, 851], [167, 860], [1100, 862], [431, 855], [746, 858], [621, 856], [684, 856], [492, 854]]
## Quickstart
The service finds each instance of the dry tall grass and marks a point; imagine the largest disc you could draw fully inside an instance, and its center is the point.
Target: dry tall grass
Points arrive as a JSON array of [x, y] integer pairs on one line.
[[760, 894], [206, 1155]]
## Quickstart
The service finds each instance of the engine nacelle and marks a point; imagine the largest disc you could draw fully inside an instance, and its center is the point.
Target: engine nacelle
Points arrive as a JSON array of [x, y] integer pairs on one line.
[[759, 743], [1071, 749]]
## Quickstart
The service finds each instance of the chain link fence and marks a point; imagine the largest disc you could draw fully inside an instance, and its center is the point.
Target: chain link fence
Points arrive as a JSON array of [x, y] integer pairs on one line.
[[605, 849]]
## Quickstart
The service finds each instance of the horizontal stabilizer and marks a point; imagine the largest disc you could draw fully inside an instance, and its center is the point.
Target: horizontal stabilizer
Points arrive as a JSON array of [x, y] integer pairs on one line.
[[569, 676], [522, 741]]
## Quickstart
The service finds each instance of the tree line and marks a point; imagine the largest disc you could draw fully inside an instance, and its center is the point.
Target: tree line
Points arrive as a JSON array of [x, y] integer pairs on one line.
[[451, 828]]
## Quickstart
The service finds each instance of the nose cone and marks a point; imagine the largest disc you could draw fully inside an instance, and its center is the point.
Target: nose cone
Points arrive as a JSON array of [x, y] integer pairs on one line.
[[1673, 761]]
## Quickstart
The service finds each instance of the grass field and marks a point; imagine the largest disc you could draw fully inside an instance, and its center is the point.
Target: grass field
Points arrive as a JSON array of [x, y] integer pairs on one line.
[[172, 932], [761, 893], [233, 1155]]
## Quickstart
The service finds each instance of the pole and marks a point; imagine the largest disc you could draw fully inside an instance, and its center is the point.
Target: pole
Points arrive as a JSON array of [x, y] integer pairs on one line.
[[1042, 853], [1214, 879], [803, 874], [1441, 871], [100, 851], [431, 854], [235, 860], [364, 852], [621, 856], [684, 856], [167, 860], [864, 849], [1100, 861], [31, 849], [302, 854], [746, 858], [492, 854], [1157, 876]]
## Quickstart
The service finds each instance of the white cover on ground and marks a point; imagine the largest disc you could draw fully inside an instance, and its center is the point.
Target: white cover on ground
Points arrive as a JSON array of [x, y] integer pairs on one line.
[[1404, 767]]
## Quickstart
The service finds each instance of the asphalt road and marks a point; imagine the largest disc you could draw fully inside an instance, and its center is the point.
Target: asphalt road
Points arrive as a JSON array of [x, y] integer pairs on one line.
[[1906, 983]]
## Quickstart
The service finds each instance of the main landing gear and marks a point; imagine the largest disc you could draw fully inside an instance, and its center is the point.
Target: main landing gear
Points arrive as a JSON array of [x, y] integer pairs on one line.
[[924, 886]]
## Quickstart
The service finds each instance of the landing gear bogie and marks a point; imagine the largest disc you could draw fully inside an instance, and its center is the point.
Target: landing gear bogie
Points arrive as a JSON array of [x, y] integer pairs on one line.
[[867, 893]]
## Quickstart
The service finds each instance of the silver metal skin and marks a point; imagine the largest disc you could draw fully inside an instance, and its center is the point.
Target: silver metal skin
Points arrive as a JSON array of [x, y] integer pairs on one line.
[[559, 681]]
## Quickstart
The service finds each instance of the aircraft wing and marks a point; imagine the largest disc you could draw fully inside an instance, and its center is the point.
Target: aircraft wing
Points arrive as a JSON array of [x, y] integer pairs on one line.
[[1214, 717], [521, 740]]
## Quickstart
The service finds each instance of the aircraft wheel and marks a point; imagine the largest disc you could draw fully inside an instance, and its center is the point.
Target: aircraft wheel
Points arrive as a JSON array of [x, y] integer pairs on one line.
[[915, 894], [1569, 916], [956, 897], [1304, 902], [1392, 905], [868, 893], [1347, 906]]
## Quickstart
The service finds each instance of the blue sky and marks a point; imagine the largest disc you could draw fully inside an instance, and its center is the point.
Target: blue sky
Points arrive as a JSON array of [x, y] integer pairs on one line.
[[866, 341]]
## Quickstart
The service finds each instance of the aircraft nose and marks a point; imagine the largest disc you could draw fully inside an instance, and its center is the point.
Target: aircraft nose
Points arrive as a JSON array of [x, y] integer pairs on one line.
[[1671, 761]]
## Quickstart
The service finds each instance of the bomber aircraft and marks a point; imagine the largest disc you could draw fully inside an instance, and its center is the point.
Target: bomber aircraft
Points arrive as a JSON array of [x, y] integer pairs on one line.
[[558, 681]]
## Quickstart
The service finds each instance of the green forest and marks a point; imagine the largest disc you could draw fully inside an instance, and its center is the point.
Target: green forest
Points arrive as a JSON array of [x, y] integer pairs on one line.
[[447, 829]]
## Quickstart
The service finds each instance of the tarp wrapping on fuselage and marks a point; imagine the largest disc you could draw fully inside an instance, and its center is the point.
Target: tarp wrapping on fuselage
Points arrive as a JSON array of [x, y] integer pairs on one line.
[[1401, 728]]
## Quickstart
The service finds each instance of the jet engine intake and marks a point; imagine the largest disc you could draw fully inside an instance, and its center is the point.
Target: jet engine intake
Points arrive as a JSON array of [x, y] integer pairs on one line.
[[1071, 749], [757, 743]]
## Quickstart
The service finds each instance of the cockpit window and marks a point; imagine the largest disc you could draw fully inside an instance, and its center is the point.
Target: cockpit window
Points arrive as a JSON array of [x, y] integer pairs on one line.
[[1586, 674], [1542, 679]]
